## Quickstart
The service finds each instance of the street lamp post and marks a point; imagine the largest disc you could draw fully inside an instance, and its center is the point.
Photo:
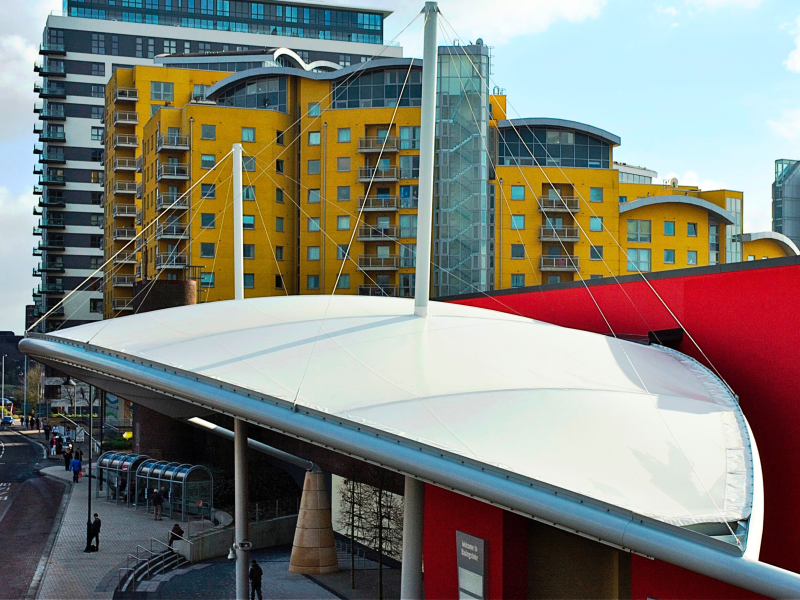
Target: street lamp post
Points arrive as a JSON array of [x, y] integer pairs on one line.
[[89, 479], [3, 385]]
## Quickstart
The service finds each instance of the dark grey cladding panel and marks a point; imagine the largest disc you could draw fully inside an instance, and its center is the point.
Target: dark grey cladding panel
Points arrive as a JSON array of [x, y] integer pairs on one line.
[[563, 124]]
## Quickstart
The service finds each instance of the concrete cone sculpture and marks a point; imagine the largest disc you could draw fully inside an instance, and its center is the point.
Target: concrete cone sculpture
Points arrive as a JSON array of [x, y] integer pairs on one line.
[[314, 550]]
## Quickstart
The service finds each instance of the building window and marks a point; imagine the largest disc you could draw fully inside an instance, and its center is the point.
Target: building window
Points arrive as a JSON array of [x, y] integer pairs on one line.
[[691, 257], [343, 222], [313, 224], [343, 135], [343, 164], [249, 251], [278, 282], [199, 91], [691, 229], [312, 282], [249, 164], [96, 220], [314, 138], [207, 250], [99, 69], [341, 252], [344, 282], [139, 48], [639, 259], [596, 253], [409, 138], [595, 223], [518, 280], [249, 221], [279, 167], [96, 177], [248, 134], [96, 305], [207, 161], [98, 43], [517, 251], [207, 280], [208, 132], [518, 192], [279, 138], [279, 195], [248, 192], [278, 252], [669, 227], [207, 220], [553, 279], [162, 90], [208, 190], [170, 47], [639, 231], [596, 194], [408, 226], [409, 196], [97, 134], [622, 200], [314, 109], [96, 241], [313, 167], [249, 281], [278, 223], [97, 112], [98, 91], [409, 167], [343, 193], [313, 196], [344, 60], [669, 257], [313, 253], [517, 222]]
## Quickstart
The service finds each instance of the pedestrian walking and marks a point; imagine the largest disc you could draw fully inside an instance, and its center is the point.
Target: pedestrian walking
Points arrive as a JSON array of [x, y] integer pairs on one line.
[[158, 502], [96, 532], [67, 459], [46, 428], [53, 447], [78, 453], [76, 467], [175, 534], [38, 424], [255, 580]]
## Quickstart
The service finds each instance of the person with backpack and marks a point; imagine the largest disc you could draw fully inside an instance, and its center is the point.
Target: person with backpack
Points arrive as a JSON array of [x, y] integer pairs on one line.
[[255, 580]]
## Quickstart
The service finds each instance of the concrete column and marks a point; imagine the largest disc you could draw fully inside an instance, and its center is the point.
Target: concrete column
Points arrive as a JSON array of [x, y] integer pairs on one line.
[[413, 516], [314, 549], [242, 511], [238, 225]]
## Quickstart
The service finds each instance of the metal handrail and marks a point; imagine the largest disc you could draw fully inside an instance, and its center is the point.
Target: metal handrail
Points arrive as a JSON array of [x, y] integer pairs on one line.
[[65, 417], [183, 538], [119, 578]]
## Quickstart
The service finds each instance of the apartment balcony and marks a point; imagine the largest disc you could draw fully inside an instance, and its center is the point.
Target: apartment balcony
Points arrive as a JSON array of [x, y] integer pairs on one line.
[[38, 170], [123, 304], [125, 258], [124, 211], [378, 175], [45, 69], [49, 91], [53, 222], [52, 50], [569, 264], [559, 234], [125, 164], [373, 262], [139, 217], [37, 272], [172, 260], [50, 135], [124, 140], [372, 233], [139, 191], [57, 313], [37, 190], [139, 164], [125, 187], [141, 242], [49, 114], [37, 212], [378, 203], [124, 280], [55, 202], [55, 266], [172, 232], [52, 288], [369, 145], [126, 95], [137, 271], [37, 231], [172, 143], [124, 234], [50, 245], [171, 202], [378, 290], [52, 179], [172, 171], [567, 204], [52, 158], [122, 117], [38, 149]]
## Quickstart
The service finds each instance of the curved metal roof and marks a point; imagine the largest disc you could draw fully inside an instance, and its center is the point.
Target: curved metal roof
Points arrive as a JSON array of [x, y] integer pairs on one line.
[[723, 215], [786, 243], [612, 139]]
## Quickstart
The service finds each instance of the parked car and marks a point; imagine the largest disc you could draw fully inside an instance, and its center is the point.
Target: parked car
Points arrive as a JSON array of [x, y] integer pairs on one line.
[[7, 420]]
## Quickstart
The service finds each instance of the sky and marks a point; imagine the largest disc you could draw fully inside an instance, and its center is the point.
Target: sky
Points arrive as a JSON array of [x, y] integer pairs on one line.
[[707, 91]]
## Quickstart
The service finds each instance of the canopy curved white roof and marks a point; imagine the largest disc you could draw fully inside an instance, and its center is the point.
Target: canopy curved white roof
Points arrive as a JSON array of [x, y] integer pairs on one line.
[[785, 242]]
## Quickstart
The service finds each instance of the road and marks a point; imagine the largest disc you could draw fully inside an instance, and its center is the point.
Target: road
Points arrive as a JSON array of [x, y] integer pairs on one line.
[[28, 507]]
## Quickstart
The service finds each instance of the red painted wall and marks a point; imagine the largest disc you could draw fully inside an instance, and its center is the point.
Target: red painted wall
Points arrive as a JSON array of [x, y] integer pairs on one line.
[[506, 535], [747, 321]]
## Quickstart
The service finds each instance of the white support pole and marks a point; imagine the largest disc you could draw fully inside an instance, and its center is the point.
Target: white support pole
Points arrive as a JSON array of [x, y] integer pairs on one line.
[[413, 516], [238, 225], [242, 511], [25, 391], [426, 155]]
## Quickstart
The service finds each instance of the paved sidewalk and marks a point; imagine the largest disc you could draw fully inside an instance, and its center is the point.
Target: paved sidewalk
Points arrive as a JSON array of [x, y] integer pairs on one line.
[[73, 574]]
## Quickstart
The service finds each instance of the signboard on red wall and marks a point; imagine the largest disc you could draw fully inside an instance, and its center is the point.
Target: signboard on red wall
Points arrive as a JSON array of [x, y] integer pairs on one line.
[[472, 566]]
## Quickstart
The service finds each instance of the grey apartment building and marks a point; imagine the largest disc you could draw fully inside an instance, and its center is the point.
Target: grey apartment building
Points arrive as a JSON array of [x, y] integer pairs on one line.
[[80, 50]]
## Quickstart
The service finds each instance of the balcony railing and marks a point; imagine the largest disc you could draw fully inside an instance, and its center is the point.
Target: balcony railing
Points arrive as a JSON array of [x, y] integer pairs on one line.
[[376, 144], [172, 171], [139, 164], [123, 304], [122, 140], [37, 190], [55, 266], [171, 202], [124, 210], [374, 233], [124, 233], [52, 288], [124, 187], [373, 262], [171, 260], [172, 142], [50, 135], [45, 69], [559, 263], [377, 290], [50, 91], [126, 95], [52, 201], [51, 244], [172, 232], [377, 174], [564, 204], [378, 203], [559, 234], [54, 114], [124, 280], [125, 164], [45, 49], [126, 117], [139, 217], [125, 258], [53, 158], [139, 191], [53, 222]]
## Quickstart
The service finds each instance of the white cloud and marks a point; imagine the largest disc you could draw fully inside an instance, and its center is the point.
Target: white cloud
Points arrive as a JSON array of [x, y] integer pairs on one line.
[[670, 11], [788, 126], [15, 256], [727, 3], [792, 62], [692, 178]]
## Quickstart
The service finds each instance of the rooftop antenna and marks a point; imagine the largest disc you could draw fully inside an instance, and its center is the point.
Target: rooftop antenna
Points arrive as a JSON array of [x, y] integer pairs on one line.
[[427, 141]]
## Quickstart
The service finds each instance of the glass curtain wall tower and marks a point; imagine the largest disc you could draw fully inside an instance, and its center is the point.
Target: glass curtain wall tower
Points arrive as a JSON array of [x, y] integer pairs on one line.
[[786, 199]]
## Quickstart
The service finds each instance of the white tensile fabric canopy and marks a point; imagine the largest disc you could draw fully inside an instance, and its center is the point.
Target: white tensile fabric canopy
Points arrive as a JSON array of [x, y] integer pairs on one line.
[[640, 427]]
